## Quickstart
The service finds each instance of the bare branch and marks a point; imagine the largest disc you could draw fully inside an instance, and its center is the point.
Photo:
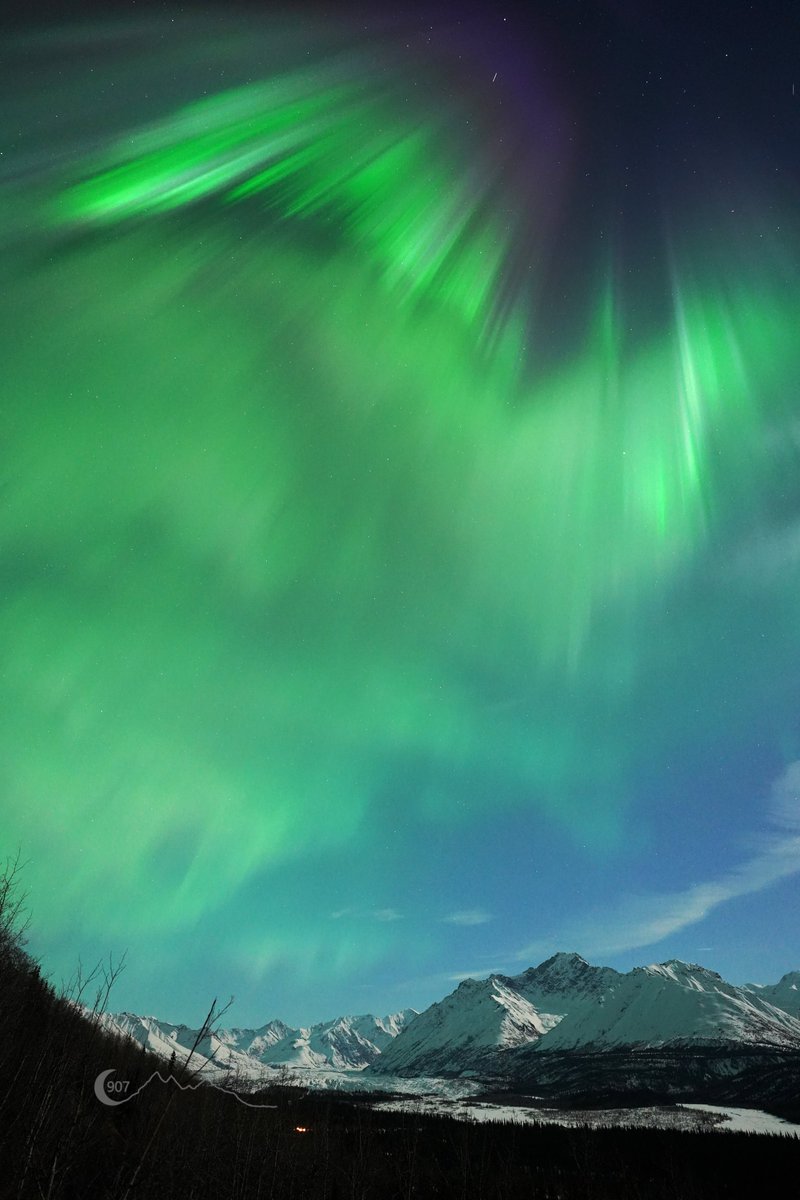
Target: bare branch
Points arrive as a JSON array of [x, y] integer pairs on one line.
[[209, 1026]]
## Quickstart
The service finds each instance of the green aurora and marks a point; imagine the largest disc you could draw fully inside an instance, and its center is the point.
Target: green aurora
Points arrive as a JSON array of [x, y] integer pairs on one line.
[[314, 560]]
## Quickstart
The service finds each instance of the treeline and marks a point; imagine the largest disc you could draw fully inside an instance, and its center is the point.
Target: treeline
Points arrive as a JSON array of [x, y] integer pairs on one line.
[[59, 1142], [738, 1076]]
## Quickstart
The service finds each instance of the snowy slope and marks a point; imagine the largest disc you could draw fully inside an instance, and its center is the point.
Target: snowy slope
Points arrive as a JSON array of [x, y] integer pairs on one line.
[[785, 994], [167, 1038], [503, 1023], [256, 1042], [348, 1043], [566, 1004], [674, 1003], [159, 1036], [461, 1031], [345, 1043], [483, 1018]]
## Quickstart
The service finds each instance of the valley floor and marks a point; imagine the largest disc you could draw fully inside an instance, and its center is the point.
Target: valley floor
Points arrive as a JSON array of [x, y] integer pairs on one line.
[[687, 1117]]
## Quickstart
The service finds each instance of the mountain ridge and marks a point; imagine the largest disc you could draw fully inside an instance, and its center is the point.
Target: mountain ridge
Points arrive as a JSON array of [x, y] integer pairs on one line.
[[503, 1025], [347, 1043], [570, 1005]]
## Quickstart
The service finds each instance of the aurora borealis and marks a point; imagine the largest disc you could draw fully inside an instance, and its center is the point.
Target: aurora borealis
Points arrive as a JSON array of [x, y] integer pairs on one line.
[[400, 518]]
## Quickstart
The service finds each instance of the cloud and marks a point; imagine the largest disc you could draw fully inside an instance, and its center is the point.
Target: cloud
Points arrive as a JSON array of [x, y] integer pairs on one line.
[[478, 973], [768, 554], [387, 914], [377, 914], [644, 920], [468, 916]]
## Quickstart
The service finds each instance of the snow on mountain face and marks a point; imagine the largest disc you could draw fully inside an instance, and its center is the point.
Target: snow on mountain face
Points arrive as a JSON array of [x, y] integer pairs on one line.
[[672, 1004], [565, 1004], [393, 1024], [461, 1031], [483, 1018], [159, 1036], [785, 994], [229, 1048], [345, 1043], [563, 984], [256, 1042], [348, 1043]]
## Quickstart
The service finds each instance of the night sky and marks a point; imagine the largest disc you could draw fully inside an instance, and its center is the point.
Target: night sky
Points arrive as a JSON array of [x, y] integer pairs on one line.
[[400, 510]]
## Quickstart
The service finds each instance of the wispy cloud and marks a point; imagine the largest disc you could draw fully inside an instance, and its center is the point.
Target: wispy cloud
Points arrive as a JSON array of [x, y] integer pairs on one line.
[[387, 914], [468, 916], [772, 552], [645, 920], [376, 914], [478, 973]]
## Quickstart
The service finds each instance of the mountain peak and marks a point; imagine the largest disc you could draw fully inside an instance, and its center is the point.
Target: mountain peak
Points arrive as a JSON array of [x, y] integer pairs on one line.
[[561, 965], [469, 984], [563, 960], [561, 973], [676, 968]]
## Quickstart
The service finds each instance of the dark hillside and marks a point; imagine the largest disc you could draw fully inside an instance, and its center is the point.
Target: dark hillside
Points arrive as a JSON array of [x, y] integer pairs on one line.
[[58, 1141]]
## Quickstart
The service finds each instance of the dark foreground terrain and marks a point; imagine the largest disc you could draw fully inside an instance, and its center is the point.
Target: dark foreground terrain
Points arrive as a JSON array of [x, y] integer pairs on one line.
[[746, 1077], [58, 1141]]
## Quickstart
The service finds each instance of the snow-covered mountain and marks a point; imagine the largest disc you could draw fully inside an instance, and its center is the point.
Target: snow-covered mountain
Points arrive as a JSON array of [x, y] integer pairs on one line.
[[785, 994], [463, 1030], [670, 1004], [567, 1005], [565, 984], [482, 1018], [230, 1049], [517, 1026], [345, 1043]]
